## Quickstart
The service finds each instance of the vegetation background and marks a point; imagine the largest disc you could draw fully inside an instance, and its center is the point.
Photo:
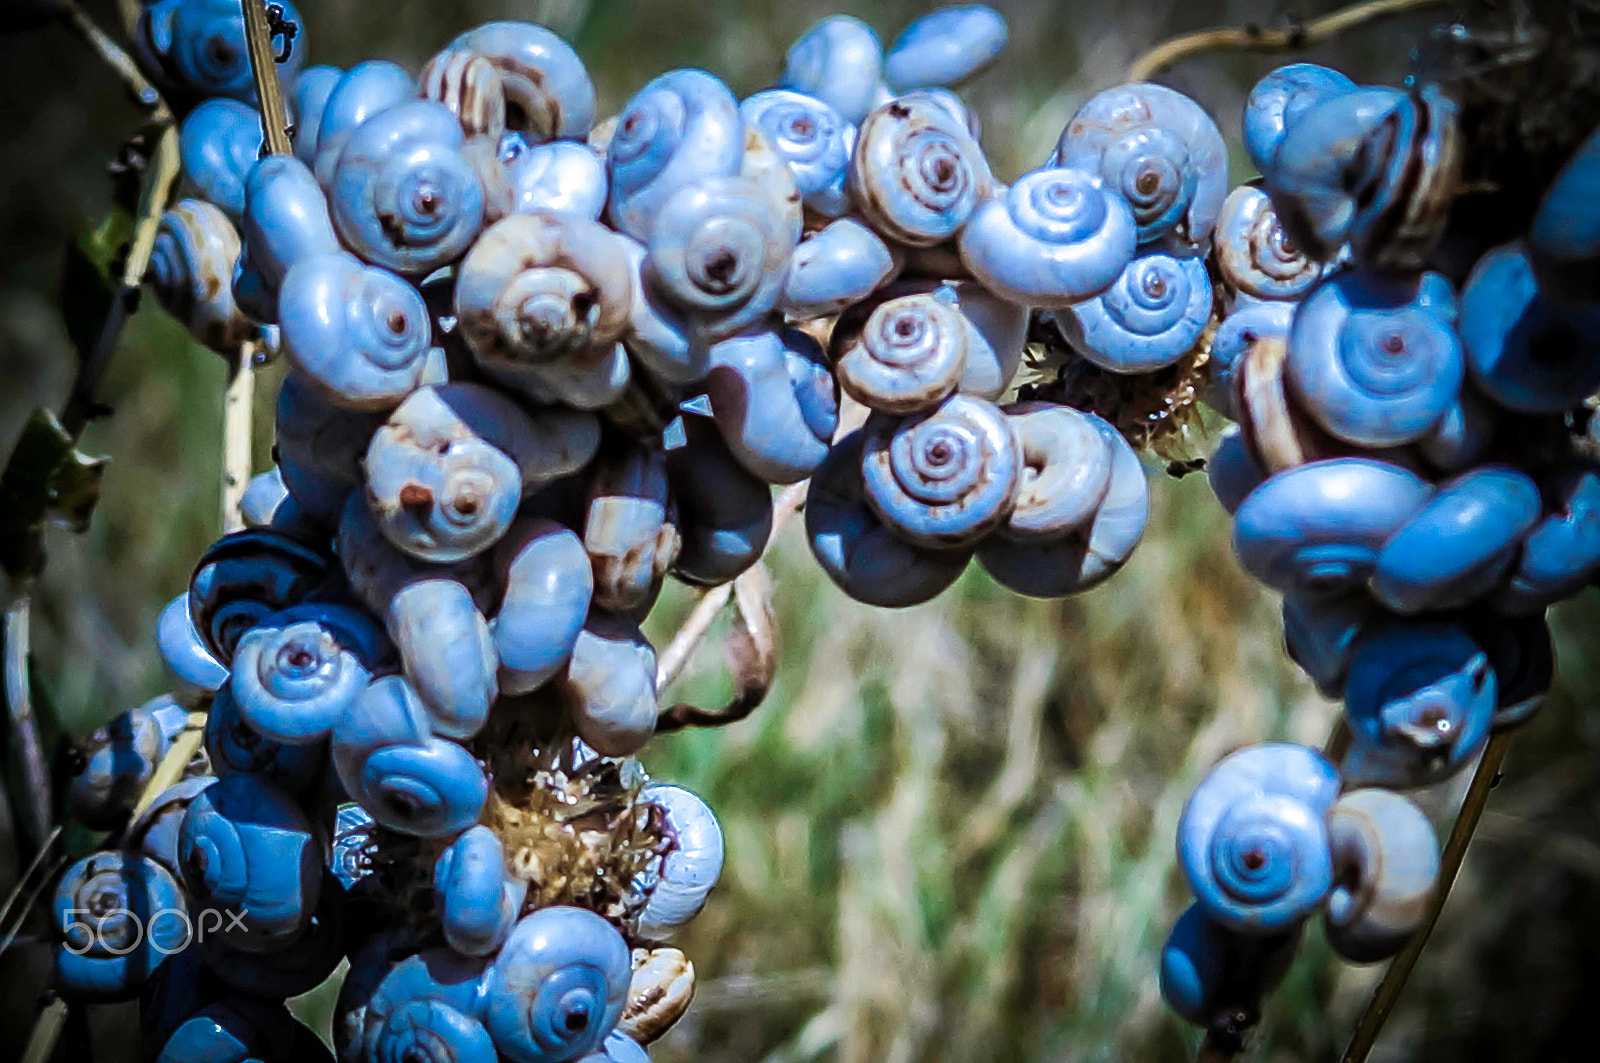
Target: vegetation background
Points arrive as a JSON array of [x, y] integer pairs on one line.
[[949, 829]]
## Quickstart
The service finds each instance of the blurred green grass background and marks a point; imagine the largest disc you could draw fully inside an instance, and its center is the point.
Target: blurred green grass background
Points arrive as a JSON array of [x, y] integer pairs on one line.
[[949, 830]]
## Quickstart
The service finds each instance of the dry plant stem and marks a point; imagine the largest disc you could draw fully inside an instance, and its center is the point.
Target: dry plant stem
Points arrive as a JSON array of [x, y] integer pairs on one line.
[[19, 707], [274, 118], [22, 880], [46, 1032], [1455, 849], [170, 770], [1254, 38], [120, 62], [237, 404]]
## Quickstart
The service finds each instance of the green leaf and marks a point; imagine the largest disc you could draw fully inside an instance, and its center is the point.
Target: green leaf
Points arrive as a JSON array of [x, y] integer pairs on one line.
[[47, 481], [86, 295]]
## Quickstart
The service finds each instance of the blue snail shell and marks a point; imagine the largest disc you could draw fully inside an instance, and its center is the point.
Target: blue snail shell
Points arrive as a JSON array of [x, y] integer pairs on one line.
[[763, 397], [618, 1047], [1254, 256], [1369, 364], [285, 220], [840, 264], [425, 1005], [812, 138], [943, 478], [198, 46], [838, 61], [448, 652], [402, 194], [410, 780], [1565, 233], [1208, 968], [237, 748], [917, 174], [908, 355], [997, 332], [1460, 544], [1161, 152], [292, 683], [1561, 554], [609, 684], [1278, 100], [220, 142], [431, 1030], [547, 89], [1057, 237], [288, 970], [246, 849], [557, 987], [658, 336], [1081, 558], [1523, 659], [682, 127], [364, 90], [1238, 332], [155, 831], [308, 99], [121, 756], [478, 901], [1423, 694], [361, 333], [549, 583], [1253, 840], [1151, 316], [691, 867], [858, 551], [1232, 471], [1462, 435], [724, 510], [562, 176], [108, 909], [944, 47], [1526, 351], [1321, 634], [1389, 844], [198, 674], [627, 527], [235, 1028], [319, 448], [246, 576], [191, 270], [1319, 527], [1069, 461]]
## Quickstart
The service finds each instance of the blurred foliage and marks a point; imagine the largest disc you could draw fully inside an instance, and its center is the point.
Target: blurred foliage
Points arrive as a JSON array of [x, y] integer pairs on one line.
[[950, 828]]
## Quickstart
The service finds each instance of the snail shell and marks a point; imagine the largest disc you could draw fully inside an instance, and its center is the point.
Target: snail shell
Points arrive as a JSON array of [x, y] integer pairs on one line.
[[658, 994], [1564, 236], [858, 551], [774, 401], [1526, 351], [1373, 167], [547, 90], [1057, 237], [564, 176], [1369, 364], [395, 1006], [724, 511], [1422, 695], [296, 968], [557, 987], [219, 143], [1066, 470], [1151, 316], [119, 759], [1081, 558], [236, 1027], [319, 448], [448, 651], [359, 333], [266, 503], [403, 195], [1161, 152], [837, 61], [1278, 100], [944, 478], [190, 662], [658, 336], [718, 251], [1253, 839], [1254, 255], [191, 270], [609, 685], [111, 954], [1208, 969], [1246, 325], [1462, 435], [549, 584], [155, 831], [246, 847], [1321, 634], [812, 139], [364, 90], [1231, 470], [1561, 554], [909, 354], [478, 901], [998, 332], [469, 85], [291, 683], [1460, 544], [541, 287], [943, 47], [234, 747], [198, 47], [285, 221], [840, 264], [308, 100], [680, 129], [1318, 527], [917, 174], [245, 577], [1523, 659], [626, 532], [768, 170], [1388, 861], [409, 779], [689, 871]]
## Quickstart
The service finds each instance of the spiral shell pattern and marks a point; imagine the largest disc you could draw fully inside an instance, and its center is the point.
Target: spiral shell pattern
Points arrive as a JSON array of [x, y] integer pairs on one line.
[[1253, 253], [1150, 317], [191, 270], [909, 355], [292, 683], [917, 174], [812, 139], [106, 909], [839, 61], [546, 88]]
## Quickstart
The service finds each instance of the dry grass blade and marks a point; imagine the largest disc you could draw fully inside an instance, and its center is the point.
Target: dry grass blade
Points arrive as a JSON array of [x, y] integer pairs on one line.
[[752, 656], [19, 708], [237, 404], [274, 116], [46, 1032], [27, 876], [170, 770]]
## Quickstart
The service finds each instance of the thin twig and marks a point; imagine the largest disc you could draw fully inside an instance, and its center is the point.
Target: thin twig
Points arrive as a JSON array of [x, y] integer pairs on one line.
[[34, 893], [269, 91], [120, 62], [19, 707], [1255, 38], [238, 403], [22, 882], [1455, 847]]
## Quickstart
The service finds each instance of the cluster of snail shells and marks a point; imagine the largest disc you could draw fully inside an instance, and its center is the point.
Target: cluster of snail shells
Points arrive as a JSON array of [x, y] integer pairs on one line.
[[1377, 477], [1266, 841]]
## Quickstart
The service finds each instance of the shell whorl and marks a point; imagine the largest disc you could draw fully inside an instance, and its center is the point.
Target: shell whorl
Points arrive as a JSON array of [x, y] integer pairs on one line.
[[917, 174]]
